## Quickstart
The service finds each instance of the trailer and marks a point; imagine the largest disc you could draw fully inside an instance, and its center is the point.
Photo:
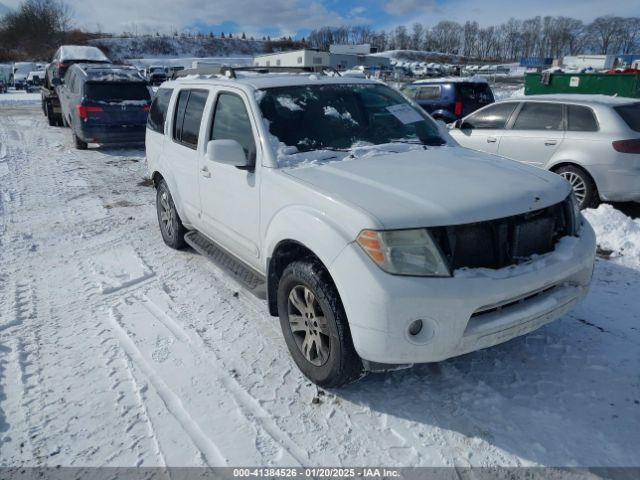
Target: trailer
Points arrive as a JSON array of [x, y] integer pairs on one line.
[[618, 84]]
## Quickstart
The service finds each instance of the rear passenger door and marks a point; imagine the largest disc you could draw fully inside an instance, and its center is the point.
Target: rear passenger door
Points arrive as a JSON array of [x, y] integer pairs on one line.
[[182, 153], [535, 134], [229, 195]]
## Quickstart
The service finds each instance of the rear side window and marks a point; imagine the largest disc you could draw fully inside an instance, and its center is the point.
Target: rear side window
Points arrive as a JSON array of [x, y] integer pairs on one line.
[[231, 122], [428, 93], [476, 93], [630, 114], [158, 111], [493, 117], [581, 119], [117, 91], [189, 110], [539, 116]]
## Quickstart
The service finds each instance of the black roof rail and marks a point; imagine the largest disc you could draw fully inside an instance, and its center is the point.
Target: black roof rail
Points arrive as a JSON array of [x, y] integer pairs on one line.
[[230, 72]]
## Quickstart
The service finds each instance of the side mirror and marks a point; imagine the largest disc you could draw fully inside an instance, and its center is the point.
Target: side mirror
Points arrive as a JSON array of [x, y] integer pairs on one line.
[[56, 82], [229, 152], [457, 124]]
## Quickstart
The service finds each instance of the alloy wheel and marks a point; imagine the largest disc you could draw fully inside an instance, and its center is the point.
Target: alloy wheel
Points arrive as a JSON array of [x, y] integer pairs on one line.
[[309, 325], [166, 214], [578, 184]]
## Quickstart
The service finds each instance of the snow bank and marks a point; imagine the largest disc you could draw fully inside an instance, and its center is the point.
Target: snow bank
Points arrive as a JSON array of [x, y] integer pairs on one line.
[[616, 232], [16, 98]]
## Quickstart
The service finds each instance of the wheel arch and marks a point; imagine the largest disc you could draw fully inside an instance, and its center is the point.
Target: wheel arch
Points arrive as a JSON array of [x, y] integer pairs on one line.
[[286, 252], [285, 242], [569, 163]]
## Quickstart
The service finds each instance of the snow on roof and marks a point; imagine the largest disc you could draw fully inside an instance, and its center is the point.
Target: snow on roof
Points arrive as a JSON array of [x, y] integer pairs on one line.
[[579, 98], [474, 79], [77, 52]]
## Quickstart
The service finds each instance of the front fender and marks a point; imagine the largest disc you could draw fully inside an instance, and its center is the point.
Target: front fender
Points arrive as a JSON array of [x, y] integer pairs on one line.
[[309, 227]]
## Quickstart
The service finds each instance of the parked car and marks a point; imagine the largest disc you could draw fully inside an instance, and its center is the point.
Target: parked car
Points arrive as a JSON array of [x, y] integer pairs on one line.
[[64, 57], [104, 104], [35, 80], [67, 55], [591, 140], [156, 75], [451, 98], [21, 71], [377, 241]]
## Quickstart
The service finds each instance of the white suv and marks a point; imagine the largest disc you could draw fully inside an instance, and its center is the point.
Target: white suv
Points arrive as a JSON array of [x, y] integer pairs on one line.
[[376, 239]]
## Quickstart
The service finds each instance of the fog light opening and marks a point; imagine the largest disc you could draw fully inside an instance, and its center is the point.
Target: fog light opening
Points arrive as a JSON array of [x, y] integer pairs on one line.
[[415, 328]]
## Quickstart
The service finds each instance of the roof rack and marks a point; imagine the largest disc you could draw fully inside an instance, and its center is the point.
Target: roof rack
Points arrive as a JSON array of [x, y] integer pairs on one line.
[[230, 72]]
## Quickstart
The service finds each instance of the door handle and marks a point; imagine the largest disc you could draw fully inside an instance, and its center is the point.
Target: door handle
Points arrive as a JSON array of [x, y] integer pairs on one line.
[[492, 139], [204, 171], [550, 142]]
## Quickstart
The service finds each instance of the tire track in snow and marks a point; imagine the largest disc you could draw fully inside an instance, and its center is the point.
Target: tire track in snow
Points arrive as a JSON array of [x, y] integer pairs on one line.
[[173, 403], [250, 407]]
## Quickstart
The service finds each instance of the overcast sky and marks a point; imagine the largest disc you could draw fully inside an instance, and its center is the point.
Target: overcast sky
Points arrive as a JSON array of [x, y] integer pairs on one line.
[[296, 17]]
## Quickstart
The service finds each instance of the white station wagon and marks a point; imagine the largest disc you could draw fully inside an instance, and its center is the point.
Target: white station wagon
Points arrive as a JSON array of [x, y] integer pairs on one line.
[[591, 140], [377, 241]]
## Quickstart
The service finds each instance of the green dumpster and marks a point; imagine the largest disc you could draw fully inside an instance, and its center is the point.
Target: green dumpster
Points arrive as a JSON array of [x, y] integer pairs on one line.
[[620, 84]]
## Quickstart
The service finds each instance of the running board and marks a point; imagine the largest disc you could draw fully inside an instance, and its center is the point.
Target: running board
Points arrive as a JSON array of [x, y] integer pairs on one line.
[[246, 276]]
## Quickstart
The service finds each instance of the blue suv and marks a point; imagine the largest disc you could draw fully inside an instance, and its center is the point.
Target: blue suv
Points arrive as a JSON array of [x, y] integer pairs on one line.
[[105, 104], [449, 99]]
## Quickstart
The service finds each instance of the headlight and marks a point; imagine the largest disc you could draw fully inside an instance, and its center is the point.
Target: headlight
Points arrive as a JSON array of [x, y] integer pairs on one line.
[[404, 252], [577, 218]]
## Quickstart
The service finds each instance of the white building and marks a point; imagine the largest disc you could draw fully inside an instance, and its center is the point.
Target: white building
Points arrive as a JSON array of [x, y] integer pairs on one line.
[[597, 62], [297, 58], [317, 58]]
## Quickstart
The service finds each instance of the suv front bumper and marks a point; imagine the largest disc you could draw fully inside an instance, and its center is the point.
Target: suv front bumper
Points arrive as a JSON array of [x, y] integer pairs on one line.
[[474, 309]]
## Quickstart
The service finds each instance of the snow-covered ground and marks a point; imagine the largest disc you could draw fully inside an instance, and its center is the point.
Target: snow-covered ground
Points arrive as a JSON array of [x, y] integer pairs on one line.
[[15, 97], [115, 350]]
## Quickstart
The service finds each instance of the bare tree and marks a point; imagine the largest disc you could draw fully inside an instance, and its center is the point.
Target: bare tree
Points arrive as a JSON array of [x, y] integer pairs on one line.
[[417, 36], [604, 32]]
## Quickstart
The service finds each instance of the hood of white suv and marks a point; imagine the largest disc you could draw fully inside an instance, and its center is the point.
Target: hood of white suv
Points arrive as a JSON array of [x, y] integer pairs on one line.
[[435, 187]]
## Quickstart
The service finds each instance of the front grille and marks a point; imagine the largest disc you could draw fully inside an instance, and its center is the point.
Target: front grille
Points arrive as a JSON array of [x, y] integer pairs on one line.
[[505, 241]]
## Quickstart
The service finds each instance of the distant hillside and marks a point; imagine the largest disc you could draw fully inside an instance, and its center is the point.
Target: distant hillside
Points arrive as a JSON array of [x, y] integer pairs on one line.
[[122, 48]]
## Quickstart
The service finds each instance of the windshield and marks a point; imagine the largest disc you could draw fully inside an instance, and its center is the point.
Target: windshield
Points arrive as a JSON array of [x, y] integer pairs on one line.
[[342, 117]]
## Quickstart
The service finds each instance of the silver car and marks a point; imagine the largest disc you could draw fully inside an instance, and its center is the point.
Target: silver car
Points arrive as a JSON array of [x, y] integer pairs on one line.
[[591, 140]]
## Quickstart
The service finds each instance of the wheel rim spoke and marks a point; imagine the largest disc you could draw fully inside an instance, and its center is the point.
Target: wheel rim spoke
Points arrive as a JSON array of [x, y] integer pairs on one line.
[[296, 322], [309, 326], [577, 184], [322, 325], [297, 300]]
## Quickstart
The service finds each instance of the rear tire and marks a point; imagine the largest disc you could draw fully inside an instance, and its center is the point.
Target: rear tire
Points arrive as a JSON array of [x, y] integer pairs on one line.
[[53, 121], [80, 145], [315, 326], [584, 188], [169, 221]]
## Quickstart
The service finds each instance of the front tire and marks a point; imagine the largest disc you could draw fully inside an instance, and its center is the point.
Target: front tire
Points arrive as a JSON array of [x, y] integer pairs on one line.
[[584, 188], [315, 327], [171, 226]]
